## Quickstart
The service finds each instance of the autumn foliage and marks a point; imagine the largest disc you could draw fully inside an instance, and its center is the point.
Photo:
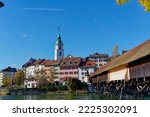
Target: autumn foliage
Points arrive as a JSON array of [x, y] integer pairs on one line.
[[144, 3]]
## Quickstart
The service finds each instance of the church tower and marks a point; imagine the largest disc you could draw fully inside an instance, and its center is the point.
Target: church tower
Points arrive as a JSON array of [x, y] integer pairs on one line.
[[59, 48]]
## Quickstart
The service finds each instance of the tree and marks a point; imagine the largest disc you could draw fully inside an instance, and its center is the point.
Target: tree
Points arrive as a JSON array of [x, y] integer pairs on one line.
[[74, 84], [144, 3], [7, 81], [41, 78], [19, 77]]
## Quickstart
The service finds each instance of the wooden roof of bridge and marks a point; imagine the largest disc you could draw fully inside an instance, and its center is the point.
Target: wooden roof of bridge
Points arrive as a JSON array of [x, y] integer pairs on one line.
[[134, 54]]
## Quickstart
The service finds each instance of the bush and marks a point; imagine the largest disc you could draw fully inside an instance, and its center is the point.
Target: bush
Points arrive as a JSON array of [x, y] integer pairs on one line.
[[63, 88], [74, 85], [52, 88]]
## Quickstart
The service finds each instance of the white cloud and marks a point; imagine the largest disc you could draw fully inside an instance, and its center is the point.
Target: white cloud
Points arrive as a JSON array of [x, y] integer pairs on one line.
[[16, 34], [97, 22], [42, 9], [24, 35]]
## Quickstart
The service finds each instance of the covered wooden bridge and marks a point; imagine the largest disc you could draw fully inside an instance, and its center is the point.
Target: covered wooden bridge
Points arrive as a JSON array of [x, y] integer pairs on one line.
[[129, 72]]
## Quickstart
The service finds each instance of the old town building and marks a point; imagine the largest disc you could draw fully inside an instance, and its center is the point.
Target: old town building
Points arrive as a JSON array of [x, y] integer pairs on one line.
[[8, 72], [100, 59]]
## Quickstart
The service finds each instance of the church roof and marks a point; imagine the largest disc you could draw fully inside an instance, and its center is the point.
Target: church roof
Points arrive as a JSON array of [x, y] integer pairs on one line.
[[59, 41]]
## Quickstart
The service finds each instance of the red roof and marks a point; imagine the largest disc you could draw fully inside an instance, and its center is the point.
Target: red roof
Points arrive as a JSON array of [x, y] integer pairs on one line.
[[70, 62], [88, 64], [39, 62], [51, 62]]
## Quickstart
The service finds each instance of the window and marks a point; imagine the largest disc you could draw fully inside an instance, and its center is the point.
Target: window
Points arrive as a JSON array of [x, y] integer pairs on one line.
[[71, 72], [61, 73], [66, 72], [60, 47], [59, 53], [75, 72]]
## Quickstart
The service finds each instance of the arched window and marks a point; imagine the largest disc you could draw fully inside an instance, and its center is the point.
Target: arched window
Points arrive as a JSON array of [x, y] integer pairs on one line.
[[60, 47]]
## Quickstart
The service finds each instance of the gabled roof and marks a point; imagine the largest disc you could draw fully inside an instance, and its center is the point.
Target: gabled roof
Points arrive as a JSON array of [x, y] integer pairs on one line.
[[70, 62], [39, 62], [9, 69], [134, 54], [51, 62], [88, 64], [97, 55], [29, 63]]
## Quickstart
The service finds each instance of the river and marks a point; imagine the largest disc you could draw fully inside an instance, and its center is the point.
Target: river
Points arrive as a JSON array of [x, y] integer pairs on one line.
[[84, 96]]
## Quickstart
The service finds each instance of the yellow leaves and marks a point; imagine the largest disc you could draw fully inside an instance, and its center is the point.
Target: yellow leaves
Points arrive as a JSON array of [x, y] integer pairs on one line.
[[120, 2], [144, 3]]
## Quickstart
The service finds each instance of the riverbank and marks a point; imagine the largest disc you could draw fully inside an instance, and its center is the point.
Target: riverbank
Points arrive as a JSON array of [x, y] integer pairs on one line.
[[4, 91], [61, 96]]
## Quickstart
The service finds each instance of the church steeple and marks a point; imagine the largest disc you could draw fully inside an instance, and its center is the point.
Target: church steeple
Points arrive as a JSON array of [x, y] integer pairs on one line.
[[59, 48], [59, 41]]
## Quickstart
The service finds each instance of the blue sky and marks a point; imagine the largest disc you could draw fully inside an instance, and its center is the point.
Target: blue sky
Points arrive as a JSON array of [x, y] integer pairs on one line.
[[28, 28]]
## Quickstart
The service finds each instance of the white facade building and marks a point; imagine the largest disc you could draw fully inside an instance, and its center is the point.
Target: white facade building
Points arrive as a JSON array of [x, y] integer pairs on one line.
[[85, 70], [8, 72], [30, 83], [1, 78], [30, 71], [100, 59]]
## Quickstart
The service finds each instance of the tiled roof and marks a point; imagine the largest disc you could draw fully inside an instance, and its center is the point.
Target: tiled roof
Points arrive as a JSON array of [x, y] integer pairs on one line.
[[95, 55], [51, 62], [88, 64], [9, 69], [70, 62], [29, 63], [38, 62], [134, 54]]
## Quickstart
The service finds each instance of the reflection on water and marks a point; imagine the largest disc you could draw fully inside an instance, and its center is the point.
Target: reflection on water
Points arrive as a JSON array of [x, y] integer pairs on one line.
[[52, 97], [55, 97]]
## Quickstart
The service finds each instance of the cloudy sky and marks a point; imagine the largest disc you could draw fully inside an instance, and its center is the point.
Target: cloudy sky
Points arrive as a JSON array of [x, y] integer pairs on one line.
[[29, 28]]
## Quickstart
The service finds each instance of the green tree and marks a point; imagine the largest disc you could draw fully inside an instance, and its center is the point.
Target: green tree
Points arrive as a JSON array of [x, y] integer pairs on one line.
[[7, 81], [19, 77], [74, 84], [144, 3]]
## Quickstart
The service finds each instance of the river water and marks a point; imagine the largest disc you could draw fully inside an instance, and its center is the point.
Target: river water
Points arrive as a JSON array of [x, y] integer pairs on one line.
[[85, 96]]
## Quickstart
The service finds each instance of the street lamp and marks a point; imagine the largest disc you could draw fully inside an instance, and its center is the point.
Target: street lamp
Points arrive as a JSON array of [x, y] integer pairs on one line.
[[1, 4]]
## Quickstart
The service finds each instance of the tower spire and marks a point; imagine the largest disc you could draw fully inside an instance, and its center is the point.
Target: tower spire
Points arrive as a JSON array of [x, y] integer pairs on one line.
[[59, 32], [59, 47]]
